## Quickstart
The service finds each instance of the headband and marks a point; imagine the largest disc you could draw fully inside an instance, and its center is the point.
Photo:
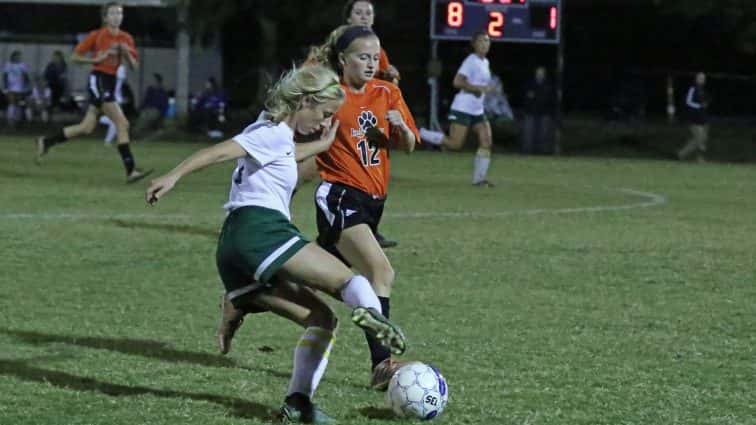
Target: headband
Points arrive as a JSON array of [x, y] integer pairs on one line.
[[328, 87], [350, 35]]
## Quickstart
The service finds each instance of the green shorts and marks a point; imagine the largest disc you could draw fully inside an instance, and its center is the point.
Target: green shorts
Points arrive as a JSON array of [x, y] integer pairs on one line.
[[465, 119], [253, 245]]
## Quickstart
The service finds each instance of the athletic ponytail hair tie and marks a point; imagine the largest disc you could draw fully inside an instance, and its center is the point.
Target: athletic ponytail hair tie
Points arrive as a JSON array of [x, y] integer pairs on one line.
[[352, 33]]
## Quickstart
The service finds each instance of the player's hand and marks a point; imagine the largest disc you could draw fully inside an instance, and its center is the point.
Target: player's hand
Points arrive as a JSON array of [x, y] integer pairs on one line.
[[102, 56], [392, 72], [159, 187], [475, 90], [395, 118], [329, 132]]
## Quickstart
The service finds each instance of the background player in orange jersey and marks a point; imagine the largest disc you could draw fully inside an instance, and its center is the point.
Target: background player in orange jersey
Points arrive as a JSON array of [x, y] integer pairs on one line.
[[355, 174], [105, 48], [362, 12]]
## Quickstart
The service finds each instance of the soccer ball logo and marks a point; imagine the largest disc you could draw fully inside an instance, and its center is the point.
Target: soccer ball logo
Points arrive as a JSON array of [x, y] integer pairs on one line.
[[366, 120], [417, 391]]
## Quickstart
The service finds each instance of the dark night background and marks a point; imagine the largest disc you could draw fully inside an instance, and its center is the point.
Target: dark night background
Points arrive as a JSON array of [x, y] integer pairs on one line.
[[612, 47]]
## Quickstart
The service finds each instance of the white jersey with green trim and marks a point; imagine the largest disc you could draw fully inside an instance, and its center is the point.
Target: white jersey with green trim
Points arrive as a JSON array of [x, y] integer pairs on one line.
[[267, 176], [477, 72]]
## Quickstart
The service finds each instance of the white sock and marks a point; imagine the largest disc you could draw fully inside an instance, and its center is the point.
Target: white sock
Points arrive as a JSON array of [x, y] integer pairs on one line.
[[480, 165], [111, 133], [358, 293], [310, 360], [432, 137], [111, 129], [28, 113]]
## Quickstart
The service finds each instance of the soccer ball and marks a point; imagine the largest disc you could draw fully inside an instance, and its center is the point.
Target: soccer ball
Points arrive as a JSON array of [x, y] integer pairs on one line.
[[417, 391]]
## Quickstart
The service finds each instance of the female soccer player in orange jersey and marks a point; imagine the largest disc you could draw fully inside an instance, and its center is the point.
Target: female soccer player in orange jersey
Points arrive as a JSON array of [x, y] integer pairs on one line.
[[362, 12], [355, 170], [109, 47]]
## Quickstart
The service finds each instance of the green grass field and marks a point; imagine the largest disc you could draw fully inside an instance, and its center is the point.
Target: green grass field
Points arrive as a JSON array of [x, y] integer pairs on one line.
[[578, 291]]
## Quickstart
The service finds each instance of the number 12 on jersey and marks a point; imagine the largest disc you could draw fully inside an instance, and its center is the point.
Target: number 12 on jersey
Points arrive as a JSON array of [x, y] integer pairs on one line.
[[369, 154]]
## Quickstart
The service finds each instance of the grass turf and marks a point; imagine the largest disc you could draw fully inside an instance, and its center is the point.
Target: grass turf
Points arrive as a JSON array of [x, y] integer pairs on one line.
[[577, 291]]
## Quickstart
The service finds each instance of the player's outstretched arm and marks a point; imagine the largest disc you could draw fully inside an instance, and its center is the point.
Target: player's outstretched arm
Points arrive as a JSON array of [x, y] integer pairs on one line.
[[222, 152], [306, 150]]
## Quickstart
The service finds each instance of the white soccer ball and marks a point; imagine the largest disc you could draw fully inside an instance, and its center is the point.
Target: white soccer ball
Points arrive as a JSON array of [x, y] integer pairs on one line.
[[417, 390]]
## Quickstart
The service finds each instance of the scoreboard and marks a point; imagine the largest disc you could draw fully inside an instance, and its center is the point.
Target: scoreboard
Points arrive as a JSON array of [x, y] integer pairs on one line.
[[518, 21]]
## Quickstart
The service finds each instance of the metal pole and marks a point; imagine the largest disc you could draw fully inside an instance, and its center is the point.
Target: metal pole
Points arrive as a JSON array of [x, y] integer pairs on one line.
[[183, 50], [433, 74], [559, 83]]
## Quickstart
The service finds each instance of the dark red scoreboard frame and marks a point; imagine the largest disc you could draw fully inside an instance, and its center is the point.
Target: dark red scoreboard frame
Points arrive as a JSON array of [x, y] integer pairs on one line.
[[515, 21]]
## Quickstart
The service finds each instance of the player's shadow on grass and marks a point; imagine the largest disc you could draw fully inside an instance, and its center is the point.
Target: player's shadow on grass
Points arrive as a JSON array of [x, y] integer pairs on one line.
[[183, 229], [143, 348], [13, 174], [137, 347], [24, 370]]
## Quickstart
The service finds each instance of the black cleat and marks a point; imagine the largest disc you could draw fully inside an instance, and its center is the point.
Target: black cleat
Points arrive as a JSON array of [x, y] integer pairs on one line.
[[387, 333], [137, 175], [385, 243]]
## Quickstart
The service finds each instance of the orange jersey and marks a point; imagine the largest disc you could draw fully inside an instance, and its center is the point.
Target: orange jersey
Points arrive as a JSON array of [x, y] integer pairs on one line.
[[351, 160], [102, 40]]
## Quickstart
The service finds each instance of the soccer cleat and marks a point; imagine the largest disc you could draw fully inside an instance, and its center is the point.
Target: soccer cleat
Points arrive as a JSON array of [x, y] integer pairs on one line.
[[231, 319], [137, 175], [483, 183], [382, 373], [375, 324], [308, 415], [42, 149], [385, 243]]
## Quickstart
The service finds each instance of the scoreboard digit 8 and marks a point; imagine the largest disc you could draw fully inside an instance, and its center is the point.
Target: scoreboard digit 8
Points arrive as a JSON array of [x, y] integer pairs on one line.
[[518, 21]]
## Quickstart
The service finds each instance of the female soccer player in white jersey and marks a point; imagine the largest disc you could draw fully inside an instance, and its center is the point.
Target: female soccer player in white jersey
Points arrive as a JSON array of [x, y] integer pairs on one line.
[[262, 258], [473, 80]]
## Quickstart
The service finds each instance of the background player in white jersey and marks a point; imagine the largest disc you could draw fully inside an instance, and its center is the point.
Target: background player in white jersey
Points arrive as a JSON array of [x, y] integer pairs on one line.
[[473, 80], [118, 94], [264, 262], [17, 86]]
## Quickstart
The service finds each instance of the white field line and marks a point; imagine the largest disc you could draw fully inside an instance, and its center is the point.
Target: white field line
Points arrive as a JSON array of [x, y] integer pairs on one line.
[[648, 200], [87, 216]]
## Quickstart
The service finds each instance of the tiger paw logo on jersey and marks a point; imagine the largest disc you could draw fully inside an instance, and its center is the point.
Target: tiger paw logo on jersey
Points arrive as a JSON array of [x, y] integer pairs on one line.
[[365, 120]]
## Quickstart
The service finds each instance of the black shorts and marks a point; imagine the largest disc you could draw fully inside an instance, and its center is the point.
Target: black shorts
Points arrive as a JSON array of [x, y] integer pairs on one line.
[[101, 88], [340, 207]]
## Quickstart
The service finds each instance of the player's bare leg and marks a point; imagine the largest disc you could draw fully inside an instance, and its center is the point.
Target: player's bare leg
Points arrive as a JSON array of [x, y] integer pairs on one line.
[[113, 111], [86, 126]]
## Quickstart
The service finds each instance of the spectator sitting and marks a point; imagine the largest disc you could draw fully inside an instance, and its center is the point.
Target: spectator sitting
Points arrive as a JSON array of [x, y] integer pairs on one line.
[[209, 111], [154, 107]]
